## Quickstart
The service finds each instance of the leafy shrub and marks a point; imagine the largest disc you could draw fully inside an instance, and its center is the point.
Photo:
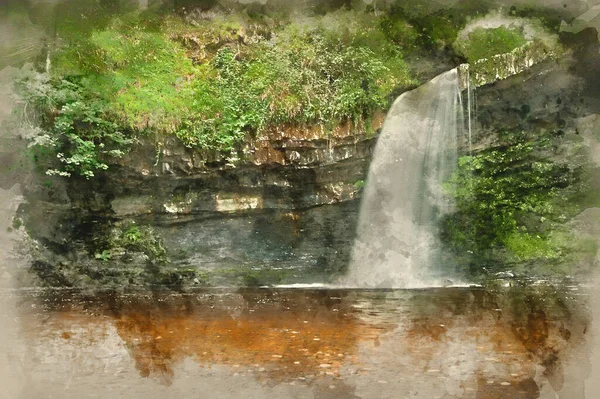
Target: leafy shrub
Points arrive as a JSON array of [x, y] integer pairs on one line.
[[77, 126], [312, 72]]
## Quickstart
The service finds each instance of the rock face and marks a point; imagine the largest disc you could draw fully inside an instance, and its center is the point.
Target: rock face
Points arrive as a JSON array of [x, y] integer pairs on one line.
[[287, 169], [282, 209], [559, 99], [502, 66]]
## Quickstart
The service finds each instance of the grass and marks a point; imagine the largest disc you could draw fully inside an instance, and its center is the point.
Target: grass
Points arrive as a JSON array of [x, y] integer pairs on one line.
[[140, 76], [212, 82]]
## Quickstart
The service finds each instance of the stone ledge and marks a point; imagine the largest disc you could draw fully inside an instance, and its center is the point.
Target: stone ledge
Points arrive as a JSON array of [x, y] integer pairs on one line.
[[502, 66]]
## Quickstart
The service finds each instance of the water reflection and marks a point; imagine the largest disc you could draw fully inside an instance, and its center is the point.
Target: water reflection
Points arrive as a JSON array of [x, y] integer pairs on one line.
[[504, 343]]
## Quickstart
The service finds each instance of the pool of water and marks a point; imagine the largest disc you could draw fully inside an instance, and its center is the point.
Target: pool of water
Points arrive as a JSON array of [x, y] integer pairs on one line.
[[508, 342]]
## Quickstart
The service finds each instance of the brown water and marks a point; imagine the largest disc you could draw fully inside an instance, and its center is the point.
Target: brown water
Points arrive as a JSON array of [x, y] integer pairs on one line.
[[438, 343]]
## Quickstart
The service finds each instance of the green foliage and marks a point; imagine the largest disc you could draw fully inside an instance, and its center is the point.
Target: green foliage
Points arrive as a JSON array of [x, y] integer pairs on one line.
[[211, 83], [400, 32], [322, 71], [227, 103], [414, 31], [328, 79], [126, 239], [511, 199], [359, 184], [104, 256], [141, 75], [133, 235], [16, 223], [76, 18], [485, 43], [525, 246], [78, 126], [440, 30]]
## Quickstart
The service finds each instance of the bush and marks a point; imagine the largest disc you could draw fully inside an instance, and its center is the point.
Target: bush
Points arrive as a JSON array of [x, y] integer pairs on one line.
[[311, 72], [76, 125]]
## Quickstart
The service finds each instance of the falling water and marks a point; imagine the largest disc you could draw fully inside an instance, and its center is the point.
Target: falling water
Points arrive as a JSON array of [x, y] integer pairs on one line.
[[469, 94], [396, 242]]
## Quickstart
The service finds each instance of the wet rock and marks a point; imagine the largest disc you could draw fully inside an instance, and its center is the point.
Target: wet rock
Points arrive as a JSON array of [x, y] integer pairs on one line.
[[194, 200], [284, 203]]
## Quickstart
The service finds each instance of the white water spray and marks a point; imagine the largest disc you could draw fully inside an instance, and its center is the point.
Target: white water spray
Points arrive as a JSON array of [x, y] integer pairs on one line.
[[396, 242]]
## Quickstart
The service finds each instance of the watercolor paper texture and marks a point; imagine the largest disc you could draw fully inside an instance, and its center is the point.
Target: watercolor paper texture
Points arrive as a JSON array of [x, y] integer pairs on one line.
[[323, 199]]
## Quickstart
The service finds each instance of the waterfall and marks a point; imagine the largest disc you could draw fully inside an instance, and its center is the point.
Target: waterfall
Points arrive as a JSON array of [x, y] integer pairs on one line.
[[396, 244]]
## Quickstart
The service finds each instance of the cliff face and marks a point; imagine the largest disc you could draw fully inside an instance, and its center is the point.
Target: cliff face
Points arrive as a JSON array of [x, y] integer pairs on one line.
[[282, 209], [287, 169], [553, 104], [502, 66]]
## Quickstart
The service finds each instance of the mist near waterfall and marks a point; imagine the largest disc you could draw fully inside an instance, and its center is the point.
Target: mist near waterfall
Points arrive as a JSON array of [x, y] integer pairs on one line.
[[396, 244]]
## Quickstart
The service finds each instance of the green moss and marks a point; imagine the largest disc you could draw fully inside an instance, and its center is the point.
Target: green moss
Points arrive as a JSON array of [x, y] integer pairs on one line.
[[525, 247], [401, 32], [512, 203], [488, 70], [125, 239], [440, 30], [421, 29], [485, 43], [359, 184]]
